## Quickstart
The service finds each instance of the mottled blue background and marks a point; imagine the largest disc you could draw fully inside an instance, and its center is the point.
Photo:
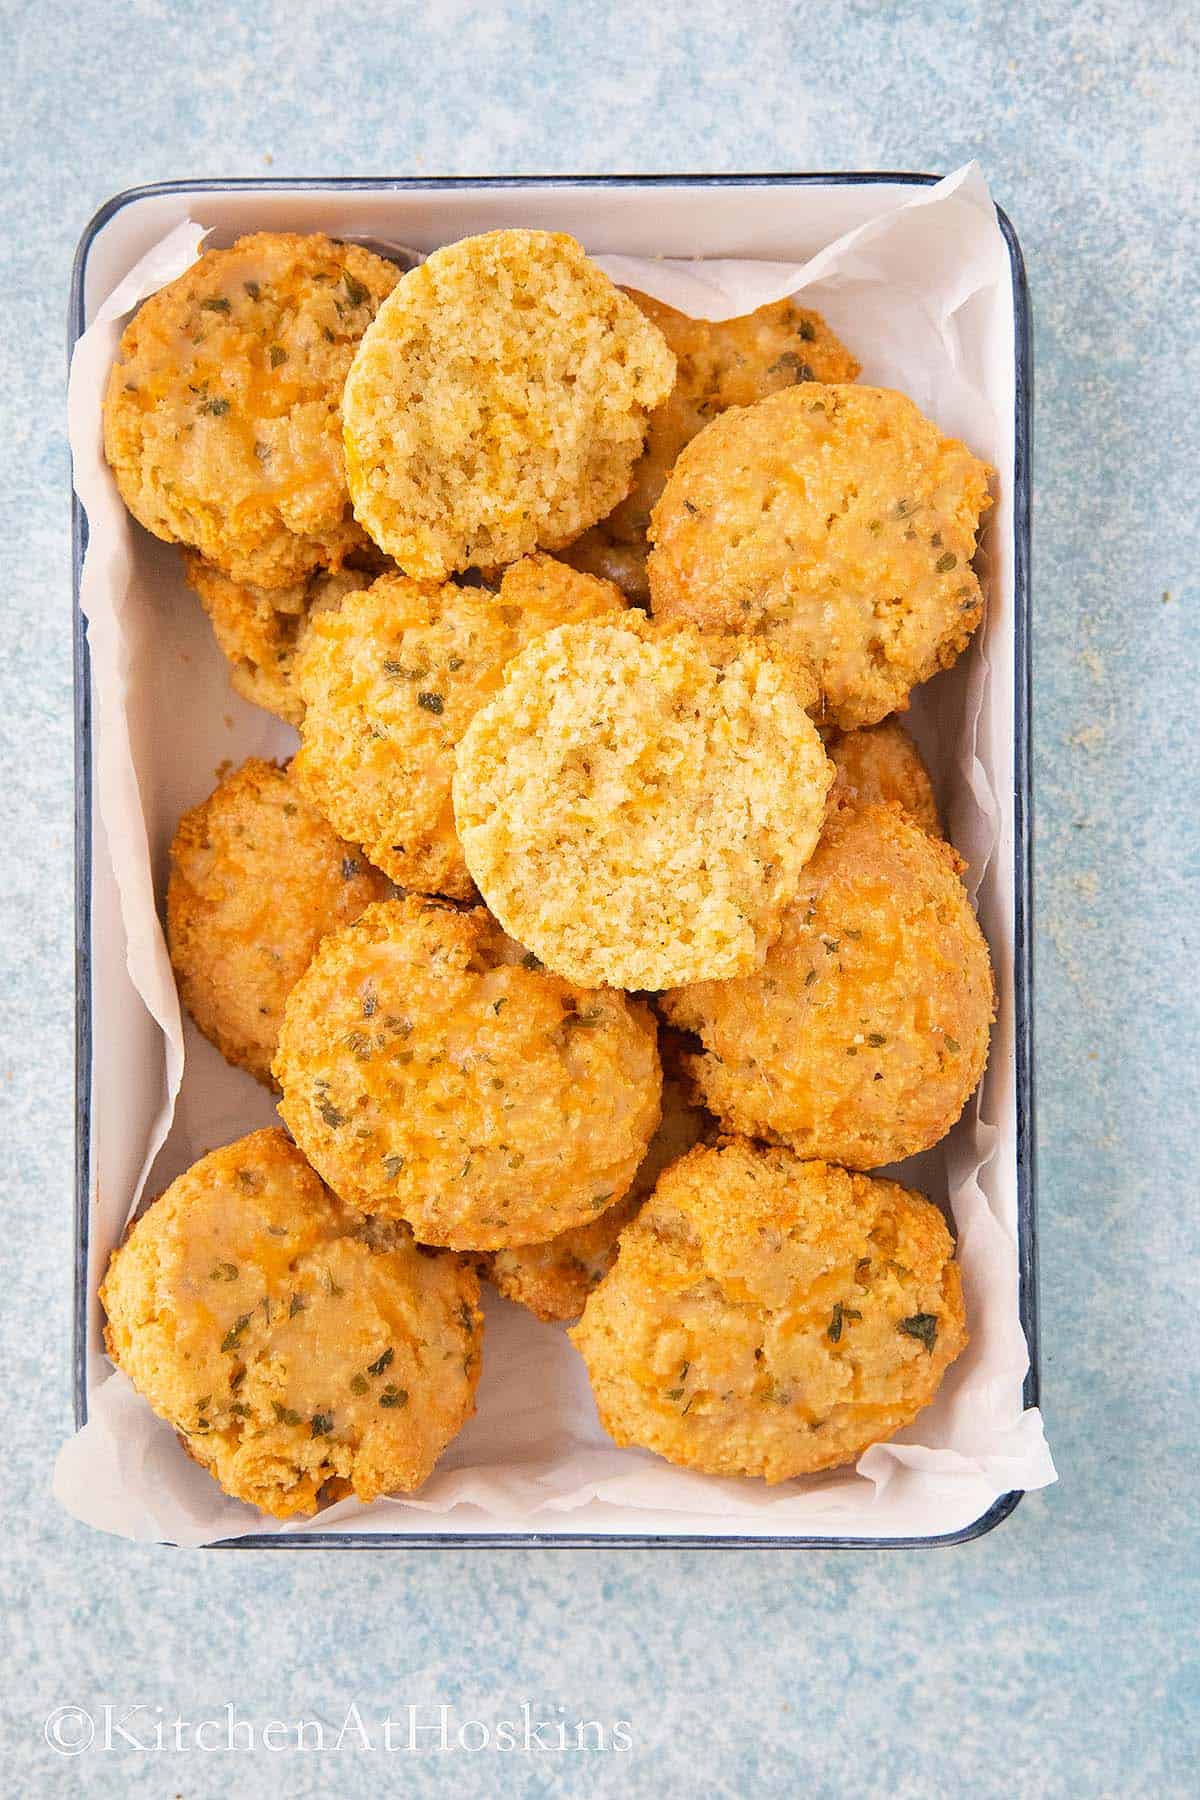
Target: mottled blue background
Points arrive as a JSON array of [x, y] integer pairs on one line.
[[1055, 1657]]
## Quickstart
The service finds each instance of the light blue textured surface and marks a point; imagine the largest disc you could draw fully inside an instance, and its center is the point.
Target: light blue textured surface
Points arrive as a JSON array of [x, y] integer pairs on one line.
[[1055, 1657]]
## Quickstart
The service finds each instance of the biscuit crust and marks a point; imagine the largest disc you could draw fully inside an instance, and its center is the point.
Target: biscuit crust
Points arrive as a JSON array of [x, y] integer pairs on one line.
[[301, 1351], [839, 524], [719, 364], [257, 879], [553, 1280], [222, 418], [431, 1070], [865, 1032], [635, 804], [388, 684], [881, 766], [770, 1317], [260, 629], [499, 403]]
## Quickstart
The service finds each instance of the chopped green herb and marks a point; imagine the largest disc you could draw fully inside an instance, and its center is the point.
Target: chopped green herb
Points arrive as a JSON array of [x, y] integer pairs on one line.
[[224, 1271], [674, 1393], [285, 1415], [220, 305], [807, 331], [432, 703], [393, 1395], [329, 1112], [355, 290], [218, 408], [322, 1424], [530, 961], [792, 365], [810, 978], [945, 563], [233, 1335], [922, 1326], [359, 1384], [841, 1313], [393, 1166], [276, 355], [253, 289], [953, 1046], [382, 1362], [877, 1038]]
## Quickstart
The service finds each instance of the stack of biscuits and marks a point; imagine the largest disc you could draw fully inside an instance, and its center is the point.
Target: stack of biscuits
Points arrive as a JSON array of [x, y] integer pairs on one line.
[[601, 938]]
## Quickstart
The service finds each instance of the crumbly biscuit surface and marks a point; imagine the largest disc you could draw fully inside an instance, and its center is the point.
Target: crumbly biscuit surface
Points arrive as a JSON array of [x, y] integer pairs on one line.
[[554, 1279], [635, 805], [388, 684], [257, 879], [301, 1351], [222, 419], [499, 403], [866, 1030], [771, 1317], [729, 362], [432, 1071], [837, 523], [881, 766]]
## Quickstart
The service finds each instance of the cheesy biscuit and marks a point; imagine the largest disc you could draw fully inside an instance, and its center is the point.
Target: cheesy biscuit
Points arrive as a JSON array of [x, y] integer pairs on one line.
[[388, 684], [881, 766], [635, 804], [770, 1317], [301, 1351], [432, 1071], [498, 403], [719, 364], [222, 418], [865, 1032], [837, 523], [257, 879]]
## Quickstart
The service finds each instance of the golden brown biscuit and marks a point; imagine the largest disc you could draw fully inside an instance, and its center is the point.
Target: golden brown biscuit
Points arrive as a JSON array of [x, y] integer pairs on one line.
[[881, 766], [770, 1317], [554, 1279], [498, 403], [432, 1071], [865, 1032], [260, 629], [222, 419], [636, 804], [837, 523], [719, 364], [257, 879], [302, 1351], [388, 685]]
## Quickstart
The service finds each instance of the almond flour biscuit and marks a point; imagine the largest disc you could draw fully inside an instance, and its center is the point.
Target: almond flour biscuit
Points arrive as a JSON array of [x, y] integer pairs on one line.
[[387, 686], [432, 1071], [553, 1280], [257, 879], [881, 766], [222, 420], [260, 629], [719, 364], [635, 805], [301, 1351], [498, 403], [837, 523], [865, 1032], [770, 1317]]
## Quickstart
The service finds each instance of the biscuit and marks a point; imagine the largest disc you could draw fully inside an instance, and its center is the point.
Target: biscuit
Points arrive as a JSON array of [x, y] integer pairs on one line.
[[257, 879], [388, 685], [837, 523], [301, 1351], [432, 1071], [498, 403], [222, 418], [770, 1317], [554, 1279], [881, 766], [865, 1032], [259, 629], [635, 805], [719, 364]]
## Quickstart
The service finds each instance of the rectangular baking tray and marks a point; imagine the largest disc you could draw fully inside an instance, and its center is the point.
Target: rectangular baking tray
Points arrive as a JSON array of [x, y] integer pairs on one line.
[[598, 206]]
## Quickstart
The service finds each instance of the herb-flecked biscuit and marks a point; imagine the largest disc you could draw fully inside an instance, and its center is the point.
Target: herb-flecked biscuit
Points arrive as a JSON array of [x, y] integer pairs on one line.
[[260, 629], [498, 403], [770, 1317], [388, 684], [636, 804], [719, 364], [554, 1279], [302, 1351], [839, 524], [432, 1071], [881, 766], [865, 1032], [257, 879], [222, 419]]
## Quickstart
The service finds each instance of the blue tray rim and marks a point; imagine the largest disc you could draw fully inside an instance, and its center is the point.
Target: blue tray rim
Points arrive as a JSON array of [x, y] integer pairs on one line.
[[1023, 972]]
